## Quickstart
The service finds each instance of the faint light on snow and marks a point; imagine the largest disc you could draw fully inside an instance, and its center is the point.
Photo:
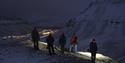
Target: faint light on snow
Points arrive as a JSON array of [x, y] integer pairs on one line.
[[13, 36], [27, 35], [98, 55], [85, 53], [4, 38], [8, 36], [46, 33], [22, 36], [18, 37], [43, 43]]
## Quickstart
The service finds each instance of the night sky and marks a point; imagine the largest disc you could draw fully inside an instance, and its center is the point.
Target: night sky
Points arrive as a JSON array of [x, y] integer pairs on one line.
[[43, 10]]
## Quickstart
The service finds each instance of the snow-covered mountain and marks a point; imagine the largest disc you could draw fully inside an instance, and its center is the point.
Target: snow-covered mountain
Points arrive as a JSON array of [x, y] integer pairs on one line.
[[15, 27], [104, 20], [102, 17]]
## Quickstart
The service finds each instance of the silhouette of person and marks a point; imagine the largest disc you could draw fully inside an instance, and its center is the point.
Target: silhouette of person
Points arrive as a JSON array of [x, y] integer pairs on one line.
[[35, 38], [62, 42], [93, 50], [73, 43], [50, 42]]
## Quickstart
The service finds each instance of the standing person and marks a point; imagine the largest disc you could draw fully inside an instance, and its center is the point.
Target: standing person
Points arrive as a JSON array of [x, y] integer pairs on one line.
[[35, 38], [73, 41], [93, 50], [62, 42], [50, 41]]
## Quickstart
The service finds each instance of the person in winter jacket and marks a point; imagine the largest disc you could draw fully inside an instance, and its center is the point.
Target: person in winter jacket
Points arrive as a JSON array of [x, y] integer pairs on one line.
[[35, 38], [73, 43], [62, 42], [50, 42], [93, 50]]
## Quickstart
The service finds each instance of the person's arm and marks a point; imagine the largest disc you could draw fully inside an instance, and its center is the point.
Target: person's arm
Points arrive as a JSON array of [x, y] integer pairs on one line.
[[64, 40], [90, 47], [96, 47]]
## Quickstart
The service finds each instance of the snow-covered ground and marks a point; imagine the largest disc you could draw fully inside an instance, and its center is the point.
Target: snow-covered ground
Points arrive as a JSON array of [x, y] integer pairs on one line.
[[103, 19], [21, 51], [15, 51]]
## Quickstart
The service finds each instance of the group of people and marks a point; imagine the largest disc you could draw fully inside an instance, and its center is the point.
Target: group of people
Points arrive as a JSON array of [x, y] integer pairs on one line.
[[62, 42]]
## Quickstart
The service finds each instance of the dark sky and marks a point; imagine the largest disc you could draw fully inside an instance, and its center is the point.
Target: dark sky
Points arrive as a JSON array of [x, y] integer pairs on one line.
[[46, 10]]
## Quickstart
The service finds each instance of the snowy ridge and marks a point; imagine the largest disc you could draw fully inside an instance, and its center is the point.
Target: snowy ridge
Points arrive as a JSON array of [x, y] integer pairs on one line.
[[103, 20]]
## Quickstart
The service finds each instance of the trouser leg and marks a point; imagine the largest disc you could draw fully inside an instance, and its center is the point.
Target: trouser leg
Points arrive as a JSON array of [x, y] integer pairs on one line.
[[75, 47], [62, 48], [49, 49], [33, 44], [37, 45], [93, 57], [70, 48], [52, 48]]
